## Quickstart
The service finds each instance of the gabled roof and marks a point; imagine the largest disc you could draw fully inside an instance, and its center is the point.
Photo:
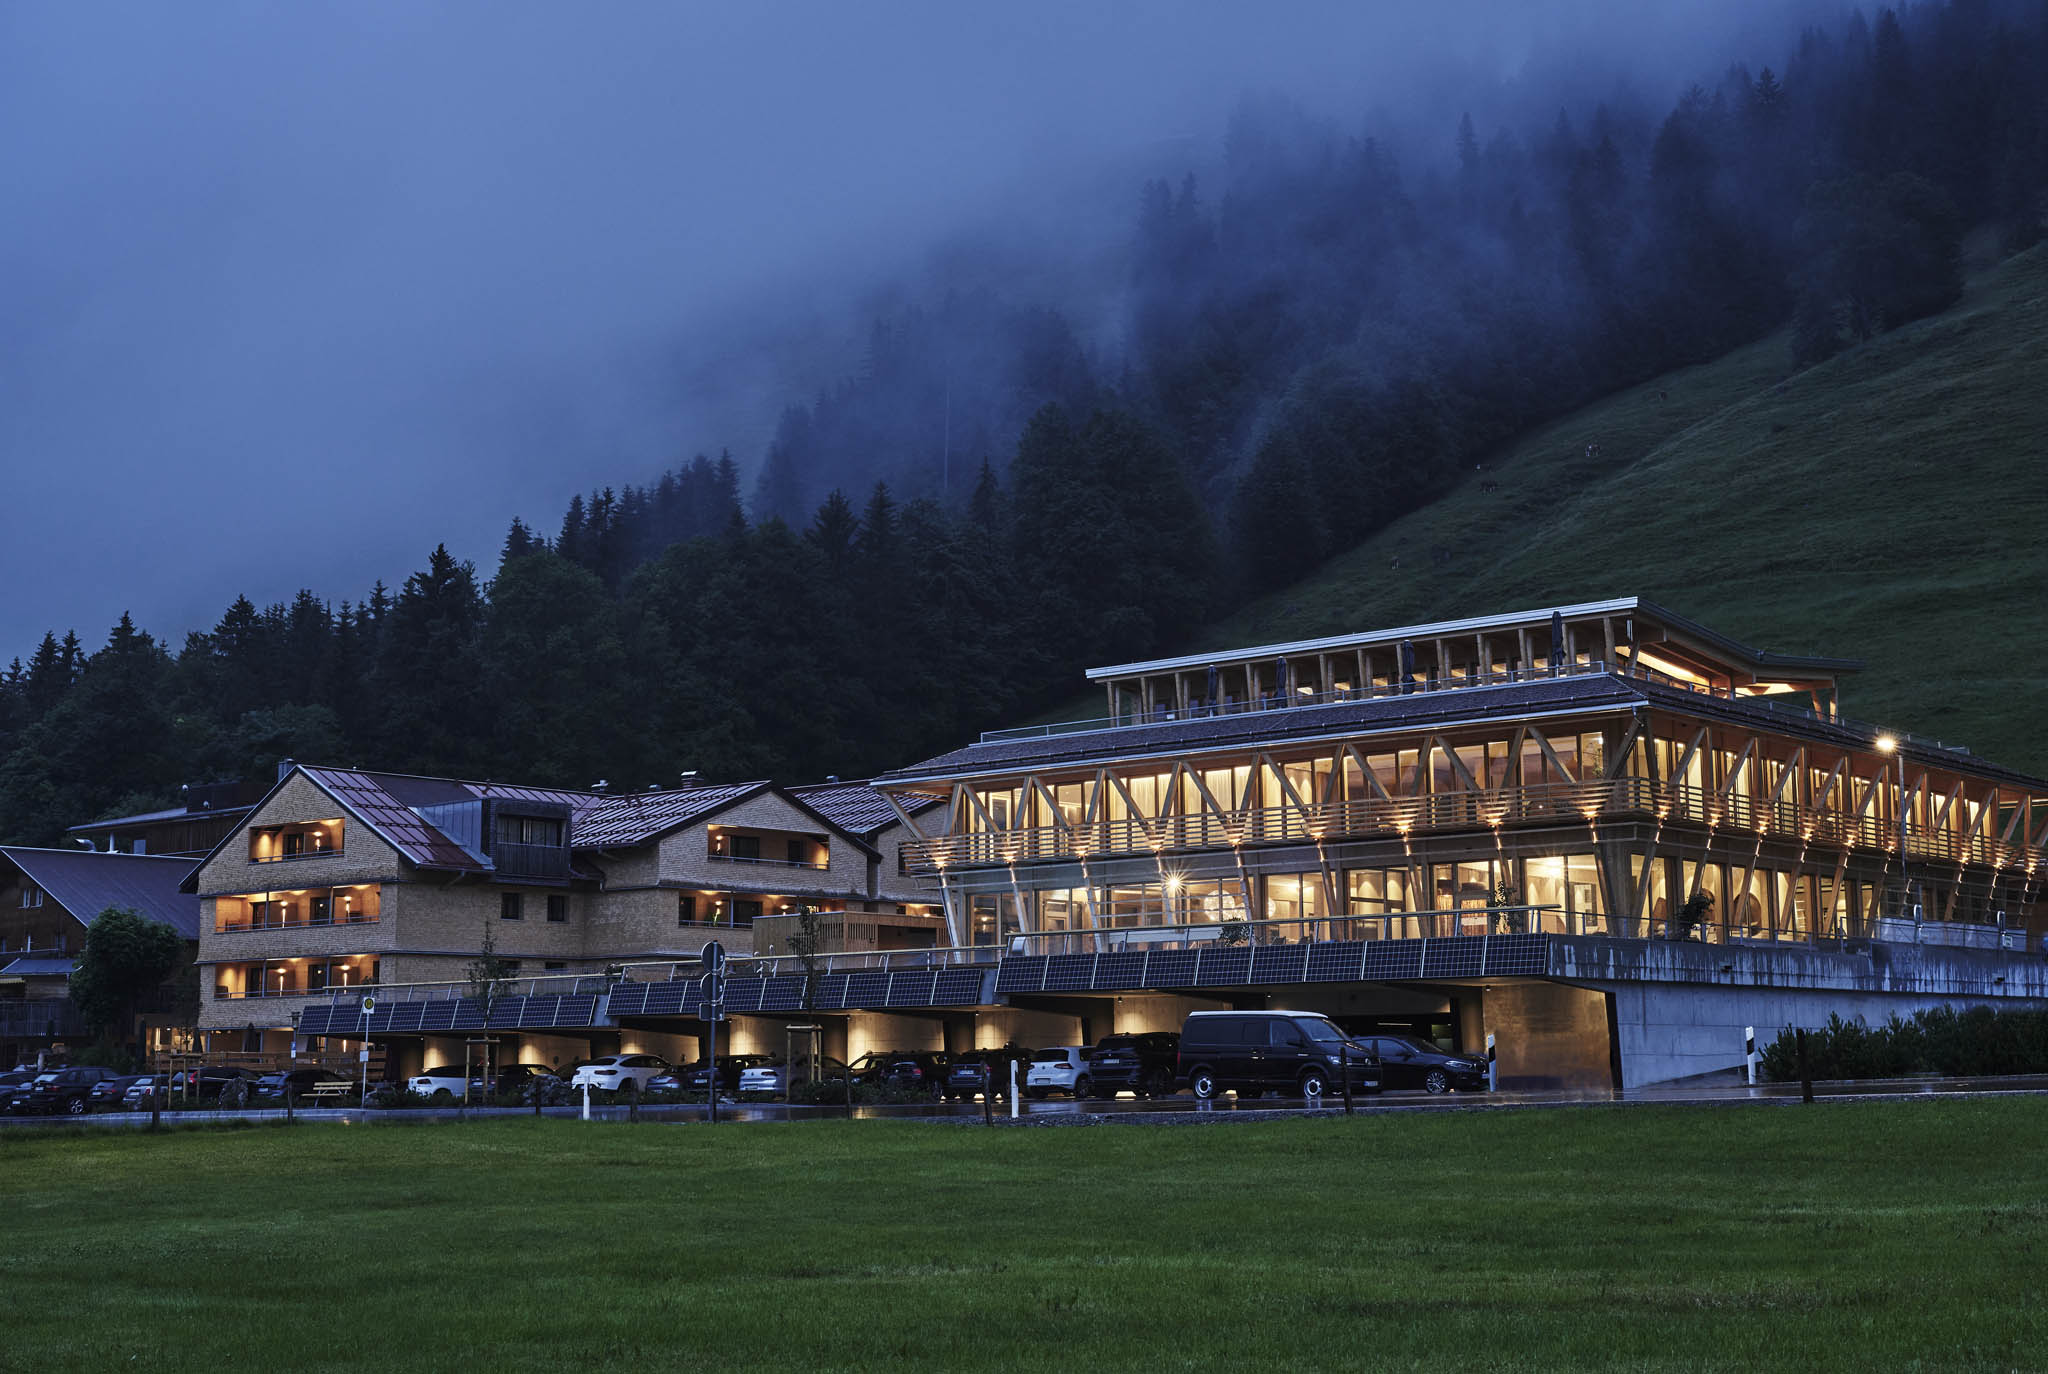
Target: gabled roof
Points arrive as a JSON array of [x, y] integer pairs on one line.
[[637, 817], [40, 966], [858, 807], [86, 882]]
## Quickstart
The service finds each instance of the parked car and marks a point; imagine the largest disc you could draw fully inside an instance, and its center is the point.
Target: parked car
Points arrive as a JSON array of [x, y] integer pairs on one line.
[[516, 1078], [300, 1083], [150, 1089], [696, 1077], [110, 1094], [773, 1077], [66, 1090], [1293, 1053], [14, 1081], [451, 1079], [614, 1071], [1146, 1064], [1060, 1069], [986, 1073], [1406, 1062], [913, 1071]]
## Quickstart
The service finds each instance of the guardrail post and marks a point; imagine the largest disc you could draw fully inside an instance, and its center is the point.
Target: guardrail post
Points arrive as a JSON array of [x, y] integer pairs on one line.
[[1805, 1073], [1749, 1052], [1344, 1074]]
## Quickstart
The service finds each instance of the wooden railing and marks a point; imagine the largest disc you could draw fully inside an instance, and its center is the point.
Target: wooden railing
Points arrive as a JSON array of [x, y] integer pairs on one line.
[[1376, 817]]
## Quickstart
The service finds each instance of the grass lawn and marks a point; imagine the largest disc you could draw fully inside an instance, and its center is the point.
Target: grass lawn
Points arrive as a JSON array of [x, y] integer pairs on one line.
[[1871, 1235]]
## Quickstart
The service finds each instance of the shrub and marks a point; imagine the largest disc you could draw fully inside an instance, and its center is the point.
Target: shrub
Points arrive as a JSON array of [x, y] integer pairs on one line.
[[1975, 1042]]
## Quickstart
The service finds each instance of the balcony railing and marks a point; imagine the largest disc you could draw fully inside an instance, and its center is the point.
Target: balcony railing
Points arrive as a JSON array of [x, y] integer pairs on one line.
[[349, 918], [768, 863], [334, 853], [531, 860], [1584, 803], [38, 1016]]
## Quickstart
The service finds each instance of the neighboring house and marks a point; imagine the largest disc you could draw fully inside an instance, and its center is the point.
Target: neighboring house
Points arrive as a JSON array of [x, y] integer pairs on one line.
[[340, 877], [206, 813], [47, 899]]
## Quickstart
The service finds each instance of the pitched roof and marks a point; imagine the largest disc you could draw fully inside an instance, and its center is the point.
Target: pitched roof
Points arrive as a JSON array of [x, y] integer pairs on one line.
[[637, 817], [86, 882], [858, 807], [40, 966]]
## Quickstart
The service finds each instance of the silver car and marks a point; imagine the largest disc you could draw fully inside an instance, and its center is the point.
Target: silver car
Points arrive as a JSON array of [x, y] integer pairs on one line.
[[774, 1078]]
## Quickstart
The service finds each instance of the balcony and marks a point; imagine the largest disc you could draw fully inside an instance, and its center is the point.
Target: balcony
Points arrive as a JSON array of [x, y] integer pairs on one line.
[[1584, 803], [758, 862], [298, 910], [530, 860]]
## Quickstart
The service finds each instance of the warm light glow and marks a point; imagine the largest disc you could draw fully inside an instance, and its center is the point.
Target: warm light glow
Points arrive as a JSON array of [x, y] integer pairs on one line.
[[1886, 743]]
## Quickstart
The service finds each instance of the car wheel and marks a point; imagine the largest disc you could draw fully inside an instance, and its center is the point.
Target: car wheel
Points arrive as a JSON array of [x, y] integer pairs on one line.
[[1161, 1084], [1203, 1084], [442, 1095], [1035, 1094], [1083, 1087], [1313, 1084], [1436, 1082], [76, 1106]]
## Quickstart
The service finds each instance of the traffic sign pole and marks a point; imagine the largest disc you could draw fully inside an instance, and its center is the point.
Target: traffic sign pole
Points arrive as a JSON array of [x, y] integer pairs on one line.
[[363, 1055], [713, 957]]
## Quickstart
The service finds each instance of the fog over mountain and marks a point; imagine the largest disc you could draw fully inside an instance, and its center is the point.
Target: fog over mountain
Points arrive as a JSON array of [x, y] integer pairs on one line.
[[294, 293]]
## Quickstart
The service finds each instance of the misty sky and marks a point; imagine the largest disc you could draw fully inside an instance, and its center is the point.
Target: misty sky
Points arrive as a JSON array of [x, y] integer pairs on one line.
[[293, 292]]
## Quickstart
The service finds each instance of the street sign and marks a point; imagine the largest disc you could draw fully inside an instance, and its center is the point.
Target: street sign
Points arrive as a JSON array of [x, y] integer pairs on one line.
[[713, 955], [710, 1011], [369, 1005]]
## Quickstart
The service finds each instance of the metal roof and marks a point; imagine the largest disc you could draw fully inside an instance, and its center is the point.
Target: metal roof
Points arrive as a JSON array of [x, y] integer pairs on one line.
[[1444, 629], [40, 966], [175, 813], [857, 807], [637, 817], [86, 882], [371, 798]]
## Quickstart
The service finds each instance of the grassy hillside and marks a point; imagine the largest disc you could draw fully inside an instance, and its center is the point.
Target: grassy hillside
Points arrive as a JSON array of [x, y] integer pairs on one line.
[[1889, 505]]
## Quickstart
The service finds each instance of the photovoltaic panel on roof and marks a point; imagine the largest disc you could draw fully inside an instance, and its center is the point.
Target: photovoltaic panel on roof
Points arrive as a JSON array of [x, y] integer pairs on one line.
[[505, 1011], [313, 1021], [1387, 959], [627, 999], [1219, 967], [1069, 973], [1336, 961], [407, 1016], [744, 994], [958, 987], [1527, 955], [469, 1014], [783, 993], [1124, 969], [912, 988], [576, 1011], [832, 992], [1279, 964], [437, 1015], [1456, 956], [1025, 973], [1170, 968], [667, 999], [867, 990]]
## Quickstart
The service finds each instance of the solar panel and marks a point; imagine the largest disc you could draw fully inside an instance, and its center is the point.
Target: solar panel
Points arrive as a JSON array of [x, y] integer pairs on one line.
[[1220, 966], [1279, 963], [575, 1011], [1458, 956], [1125, 969], [1517, 954], [912, 988], [469, 1015], [539, 1011], [832, 992], [1025, 973], [744, 994], [1170, 968], [405, 1016], [1393, 959], [958, 987], [505, 1011], [783, 993], [628, 999], [667, 999], [1069, 972], [313, 1020], [867, 990], [438, 1015], [1335, 961]]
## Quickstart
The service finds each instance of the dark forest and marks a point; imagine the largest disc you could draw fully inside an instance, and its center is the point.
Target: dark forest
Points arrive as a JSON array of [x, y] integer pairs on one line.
[[1322, 342]]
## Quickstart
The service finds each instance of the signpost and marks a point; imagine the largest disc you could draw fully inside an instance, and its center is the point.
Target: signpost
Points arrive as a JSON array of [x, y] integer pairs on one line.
[[712, 1009], [363, 1055], [1749, 1052], [1492, 1067]]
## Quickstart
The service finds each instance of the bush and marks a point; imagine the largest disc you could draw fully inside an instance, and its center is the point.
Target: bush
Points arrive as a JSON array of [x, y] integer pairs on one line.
[[392, 1097], [1974, 1043]]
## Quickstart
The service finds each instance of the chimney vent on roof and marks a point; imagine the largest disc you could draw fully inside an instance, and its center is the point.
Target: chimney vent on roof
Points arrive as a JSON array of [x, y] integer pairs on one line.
[[284, 768], [831, 777], [600, 785]]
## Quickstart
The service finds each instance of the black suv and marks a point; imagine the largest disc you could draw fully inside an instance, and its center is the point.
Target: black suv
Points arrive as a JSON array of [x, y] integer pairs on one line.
[[1292, 1053], [1406, 1062], [60, 1090], [986, 1073], [1145, 1064]]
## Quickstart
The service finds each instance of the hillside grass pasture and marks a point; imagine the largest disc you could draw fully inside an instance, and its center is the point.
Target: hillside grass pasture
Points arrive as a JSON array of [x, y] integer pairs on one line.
[[1835, 1236], [1889, 505]]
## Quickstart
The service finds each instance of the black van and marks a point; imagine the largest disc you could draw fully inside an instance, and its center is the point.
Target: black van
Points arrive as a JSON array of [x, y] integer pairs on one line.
[[1291, 1053]]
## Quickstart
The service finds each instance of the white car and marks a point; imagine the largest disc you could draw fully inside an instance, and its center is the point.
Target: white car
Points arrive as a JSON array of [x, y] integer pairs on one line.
[[1061, 1069], [448, 1078], [774, 1078], [613, 1072]]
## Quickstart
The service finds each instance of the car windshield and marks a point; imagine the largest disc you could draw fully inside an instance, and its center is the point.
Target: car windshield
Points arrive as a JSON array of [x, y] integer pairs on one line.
[[1409, 1042], [1049, 1057], [1321, 1028]]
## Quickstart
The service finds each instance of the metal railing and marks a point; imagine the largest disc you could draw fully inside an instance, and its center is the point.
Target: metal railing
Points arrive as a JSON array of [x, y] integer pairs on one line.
[[351, 918], [1123, 933], [1375, 817], [768, 863]]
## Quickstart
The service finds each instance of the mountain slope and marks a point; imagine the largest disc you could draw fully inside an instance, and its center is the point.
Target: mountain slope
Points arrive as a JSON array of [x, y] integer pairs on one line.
[[1888, 505]]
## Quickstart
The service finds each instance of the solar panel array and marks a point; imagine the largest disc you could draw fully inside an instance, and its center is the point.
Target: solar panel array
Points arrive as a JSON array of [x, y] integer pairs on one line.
[[1340, 961]]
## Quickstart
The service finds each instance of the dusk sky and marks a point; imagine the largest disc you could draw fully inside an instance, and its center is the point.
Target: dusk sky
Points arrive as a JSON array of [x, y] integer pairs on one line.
[[295, 292]]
